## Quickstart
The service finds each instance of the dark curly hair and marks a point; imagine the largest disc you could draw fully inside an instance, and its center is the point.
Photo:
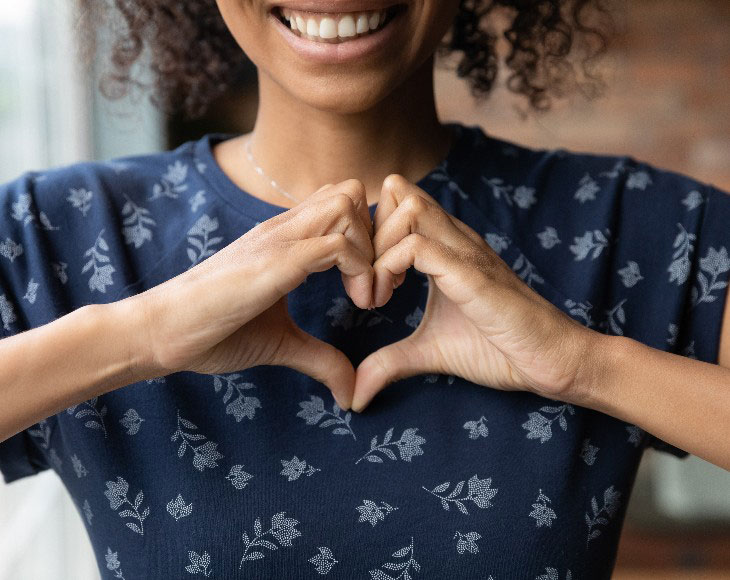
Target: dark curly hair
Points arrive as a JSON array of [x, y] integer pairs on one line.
[[194, 58]]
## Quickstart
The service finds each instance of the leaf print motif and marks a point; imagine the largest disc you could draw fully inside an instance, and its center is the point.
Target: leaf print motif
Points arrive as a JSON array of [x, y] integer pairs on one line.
[[30, 294], [549, 237], [581, 311], [610, 323], [404, 566], [714, 264], [242, 406], [680, 266], [10, 249], [313, 410], [610, 507], [172, 182], [116, 493], [635, 434], [7, 312], [202, 228], [441, 174], [80, 199], [102, 276], [432, 378], [584, 244], [588, 452], [526, 270], [497, 242], [587, 189], [522, 195], [552, 574], [238, 477], [199, 564], [55, 460], [59, 269], [323, 561], [295, 467], [78, 467], [630, 274], [21, 212], [197, 200], [479, 491], [87, 511], [673, 331], [477, 428], [137, 218], [543, 514], [345, 314], [112, 563], [539, 426], [282, 529], [178, 509], [373, 513], [693, 200], [204, 455], [89, 410], [467, 542], [409, 445], [43, 433]]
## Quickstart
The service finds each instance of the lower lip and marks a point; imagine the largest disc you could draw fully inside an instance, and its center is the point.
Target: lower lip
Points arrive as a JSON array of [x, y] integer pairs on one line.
[[341, 52]]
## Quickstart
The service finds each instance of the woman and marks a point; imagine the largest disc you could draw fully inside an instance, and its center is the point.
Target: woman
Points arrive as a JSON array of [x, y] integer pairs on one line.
[[193, 388]]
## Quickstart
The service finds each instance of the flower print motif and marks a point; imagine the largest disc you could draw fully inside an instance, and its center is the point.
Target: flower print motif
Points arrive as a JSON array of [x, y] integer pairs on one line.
[[21, 212], [610, 323], [409, 445], [204, 455], [467, 542], [404, 566], [323, 561], [87, 511], [200, 166], [78, 467], [282, 529], [116, 493], [238, 477], [526, 270], [673, 331], [414, 319], [30, 293], [587, 189], [241, 406], [81, 199], [135, 222], [479, 491], [102, 276], [584, 244], [477, 428], [197, 200], [373, 513], [131, 421], [441, 174], [89, 410], [680, 266], [112, 563], [693, 200], [10, 249], [199, 563], [43, 433], [635, 434], [552, 574], [178, 509], [588, 452], [55, 460], [543, 514], [117, 166], [313, 410], [7, 312], [203, 227], [295, 467], [549, 237], [344, 314], [497, 242], [630, 274], [524, 196], [172, 183], [59, 270], [714, 264], [638, 180], [539, 426], [610, 507]]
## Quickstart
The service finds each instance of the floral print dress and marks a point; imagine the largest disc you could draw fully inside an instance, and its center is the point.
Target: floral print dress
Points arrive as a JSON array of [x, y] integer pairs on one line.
[[259, 474]]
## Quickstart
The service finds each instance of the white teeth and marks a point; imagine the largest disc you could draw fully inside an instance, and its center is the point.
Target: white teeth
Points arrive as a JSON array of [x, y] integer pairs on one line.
[[312, 28], [362, 24], [374, 20], [346, 26], [328, 27]]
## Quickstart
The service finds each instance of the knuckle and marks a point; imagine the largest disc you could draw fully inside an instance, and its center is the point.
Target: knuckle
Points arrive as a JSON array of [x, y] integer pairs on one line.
[[354, 186], [415, 203], [342, 202], [394, 180]]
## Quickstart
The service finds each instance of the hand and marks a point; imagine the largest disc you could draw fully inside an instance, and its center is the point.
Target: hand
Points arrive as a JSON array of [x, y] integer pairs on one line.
[[481, 321], [230, 313]]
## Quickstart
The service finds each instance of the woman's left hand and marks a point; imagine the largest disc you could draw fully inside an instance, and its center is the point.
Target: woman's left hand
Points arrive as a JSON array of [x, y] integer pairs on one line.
[[481, 321]]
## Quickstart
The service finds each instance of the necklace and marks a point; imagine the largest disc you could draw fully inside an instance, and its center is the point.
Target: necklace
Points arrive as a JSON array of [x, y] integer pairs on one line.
[[261, 172]]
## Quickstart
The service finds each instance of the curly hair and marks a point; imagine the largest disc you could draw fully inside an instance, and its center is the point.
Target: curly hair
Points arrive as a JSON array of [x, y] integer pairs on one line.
[[194, 58]]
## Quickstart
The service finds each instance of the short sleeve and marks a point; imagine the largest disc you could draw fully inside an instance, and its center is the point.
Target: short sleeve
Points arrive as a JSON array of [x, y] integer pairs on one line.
[[698, 334]]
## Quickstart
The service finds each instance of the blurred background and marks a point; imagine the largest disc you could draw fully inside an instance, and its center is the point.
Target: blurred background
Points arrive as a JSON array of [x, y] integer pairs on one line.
[[668, 76]]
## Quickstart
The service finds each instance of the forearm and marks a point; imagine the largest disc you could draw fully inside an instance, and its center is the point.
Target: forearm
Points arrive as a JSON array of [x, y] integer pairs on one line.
[[88, 352], [683, 401]]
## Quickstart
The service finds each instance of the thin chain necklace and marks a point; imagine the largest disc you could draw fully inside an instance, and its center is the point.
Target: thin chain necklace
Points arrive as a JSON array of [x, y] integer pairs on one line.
[[261, 172]]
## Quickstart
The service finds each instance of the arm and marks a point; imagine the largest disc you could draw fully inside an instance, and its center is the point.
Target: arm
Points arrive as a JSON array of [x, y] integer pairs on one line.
[[90, 351], [683, 401]]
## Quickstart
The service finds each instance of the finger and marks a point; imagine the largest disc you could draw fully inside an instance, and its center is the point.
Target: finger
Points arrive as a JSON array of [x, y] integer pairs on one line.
[[356, 190]]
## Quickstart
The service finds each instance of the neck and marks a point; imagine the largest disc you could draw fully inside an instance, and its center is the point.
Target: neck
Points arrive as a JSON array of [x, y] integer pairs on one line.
[[303, 148]]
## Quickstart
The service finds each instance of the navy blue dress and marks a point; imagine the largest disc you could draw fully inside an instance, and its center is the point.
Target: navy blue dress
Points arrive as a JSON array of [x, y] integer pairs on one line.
[[258, 474]]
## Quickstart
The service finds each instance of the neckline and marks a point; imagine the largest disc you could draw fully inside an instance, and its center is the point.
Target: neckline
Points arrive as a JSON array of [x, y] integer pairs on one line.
[[260, 210]]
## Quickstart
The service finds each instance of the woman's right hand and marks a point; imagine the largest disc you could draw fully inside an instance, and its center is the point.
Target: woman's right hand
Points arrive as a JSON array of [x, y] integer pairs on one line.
[[229, 312]]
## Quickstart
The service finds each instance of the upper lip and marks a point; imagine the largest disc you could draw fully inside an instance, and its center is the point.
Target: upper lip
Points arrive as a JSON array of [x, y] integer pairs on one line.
[[334, 7]]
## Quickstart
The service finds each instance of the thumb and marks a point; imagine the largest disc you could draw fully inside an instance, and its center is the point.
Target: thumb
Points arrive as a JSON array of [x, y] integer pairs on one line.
[[321, 361]]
